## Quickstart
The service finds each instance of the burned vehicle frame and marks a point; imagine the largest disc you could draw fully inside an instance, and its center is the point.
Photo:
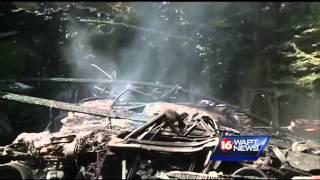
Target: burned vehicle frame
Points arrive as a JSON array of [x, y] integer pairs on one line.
[[146, 130]]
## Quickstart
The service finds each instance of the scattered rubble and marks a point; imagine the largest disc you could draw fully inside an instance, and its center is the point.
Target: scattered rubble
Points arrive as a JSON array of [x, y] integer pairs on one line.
[[176, 142]]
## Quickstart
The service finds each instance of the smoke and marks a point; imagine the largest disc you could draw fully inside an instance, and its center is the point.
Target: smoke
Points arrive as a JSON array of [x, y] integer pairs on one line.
[[160, 48], [151, 57], [157, 48], [80, 53]]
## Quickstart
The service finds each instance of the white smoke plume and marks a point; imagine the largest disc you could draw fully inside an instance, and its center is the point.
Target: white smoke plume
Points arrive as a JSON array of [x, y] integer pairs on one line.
[[159, 50]]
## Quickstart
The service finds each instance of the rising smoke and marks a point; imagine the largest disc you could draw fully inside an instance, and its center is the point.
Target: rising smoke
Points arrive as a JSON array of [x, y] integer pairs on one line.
[[157, 49], [81, 54]]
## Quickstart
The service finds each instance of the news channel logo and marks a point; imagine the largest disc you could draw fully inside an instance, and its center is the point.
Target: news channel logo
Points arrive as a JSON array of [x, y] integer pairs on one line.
[[240, 148]]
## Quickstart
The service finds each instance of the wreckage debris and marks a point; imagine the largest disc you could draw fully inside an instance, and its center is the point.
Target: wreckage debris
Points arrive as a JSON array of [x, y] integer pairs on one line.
[[112, 138]]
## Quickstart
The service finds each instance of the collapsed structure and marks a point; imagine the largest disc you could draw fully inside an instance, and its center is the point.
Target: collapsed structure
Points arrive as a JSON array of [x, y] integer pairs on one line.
[[150, 132]]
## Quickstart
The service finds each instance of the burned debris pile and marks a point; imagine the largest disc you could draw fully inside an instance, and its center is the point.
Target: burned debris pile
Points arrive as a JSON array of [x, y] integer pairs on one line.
[[151, 132]]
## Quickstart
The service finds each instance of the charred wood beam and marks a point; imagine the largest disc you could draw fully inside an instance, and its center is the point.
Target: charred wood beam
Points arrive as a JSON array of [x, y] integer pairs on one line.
[[107, 81], [171, 144], [191, 128], [73, 107], [159, 129], [84, 80], [146, 125]]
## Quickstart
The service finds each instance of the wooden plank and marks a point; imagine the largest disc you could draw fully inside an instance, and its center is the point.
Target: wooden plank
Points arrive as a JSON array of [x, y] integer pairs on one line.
[[121, 114], [84, 80]]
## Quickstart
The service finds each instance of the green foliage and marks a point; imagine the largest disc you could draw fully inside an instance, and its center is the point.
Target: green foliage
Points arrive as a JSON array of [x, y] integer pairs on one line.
[[305, 63]]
